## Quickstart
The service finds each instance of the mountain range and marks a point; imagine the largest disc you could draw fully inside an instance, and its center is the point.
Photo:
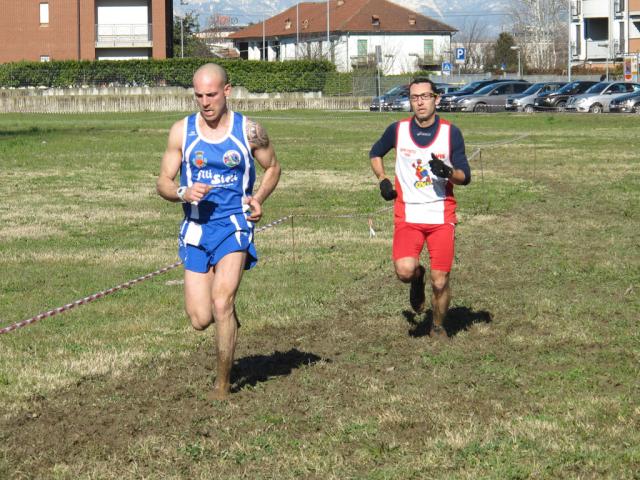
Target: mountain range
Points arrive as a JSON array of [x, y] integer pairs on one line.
[[491, 15]]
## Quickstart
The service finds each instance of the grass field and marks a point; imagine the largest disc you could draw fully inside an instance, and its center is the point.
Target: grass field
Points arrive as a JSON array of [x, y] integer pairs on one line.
[[335, 378]]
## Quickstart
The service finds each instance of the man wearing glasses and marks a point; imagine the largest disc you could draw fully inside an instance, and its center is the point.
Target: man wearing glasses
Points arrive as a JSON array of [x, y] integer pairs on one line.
[[430, 160]]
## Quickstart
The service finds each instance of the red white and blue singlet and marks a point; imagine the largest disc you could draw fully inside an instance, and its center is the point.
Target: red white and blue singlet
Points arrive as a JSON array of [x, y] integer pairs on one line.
[[423, 197]]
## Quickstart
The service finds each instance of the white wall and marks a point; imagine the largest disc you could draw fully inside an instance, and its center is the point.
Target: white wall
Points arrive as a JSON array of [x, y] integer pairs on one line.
[[396, 50], [122, 12]]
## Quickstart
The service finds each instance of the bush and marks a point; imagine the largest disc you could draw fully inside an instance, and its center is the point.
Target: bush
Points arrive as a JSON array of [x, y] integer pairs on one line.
[[255, 76]]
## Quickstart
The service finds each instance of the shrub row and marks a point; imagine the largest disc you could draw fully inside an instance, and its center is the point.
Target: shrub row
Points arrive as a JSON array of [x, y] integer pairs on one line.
[[256, 76]]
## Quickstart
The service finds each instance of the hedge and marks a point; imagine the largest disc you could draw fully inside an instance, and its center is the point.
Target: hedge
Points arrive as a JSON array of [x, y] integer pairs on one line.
[[255, 76]]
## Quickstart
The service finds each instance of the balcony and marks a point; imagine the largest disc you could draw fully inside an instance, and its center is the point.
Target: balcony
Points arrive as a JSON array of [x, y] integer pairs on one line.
[[122, 35], [364, 61], [429, 61], [595, 8], [596, 50]]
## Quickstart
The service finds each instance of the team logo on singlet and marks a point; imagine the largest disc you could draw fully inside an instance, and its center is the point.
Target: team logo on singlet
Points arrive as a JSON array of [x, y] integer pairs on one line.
[[424, 180], [199, 161], [231, 158]]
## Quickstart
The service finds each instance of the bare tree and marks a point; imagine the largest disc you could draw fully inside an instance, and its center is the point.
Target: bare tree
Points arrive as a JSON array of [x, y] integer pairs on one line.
[[539, 27], [471, 38]]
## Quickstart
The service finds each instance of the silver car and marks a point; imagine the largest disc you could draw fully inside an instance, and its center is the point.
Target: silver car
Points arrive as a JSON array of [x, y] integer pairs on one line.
[[523, 102], [598, 97], [490, 98], [402, 104], [629, 103]]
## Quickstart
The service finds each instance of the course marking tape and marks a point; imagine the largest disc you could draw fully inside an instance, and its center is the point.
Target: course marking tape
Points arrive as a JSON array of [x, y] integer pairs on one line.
[[104, 293]]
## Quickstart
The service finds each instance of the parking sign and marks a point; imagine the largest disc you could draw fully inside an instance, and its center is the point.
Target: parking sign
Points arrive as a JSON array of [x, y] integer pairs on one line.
[[460, 55]]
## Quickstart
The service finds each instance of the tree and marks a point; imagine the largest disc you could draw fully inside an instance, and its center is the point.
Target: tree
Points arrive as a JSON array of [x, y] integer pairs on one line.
[[471, 38], [503, 54], [541, 32], [184, 30]]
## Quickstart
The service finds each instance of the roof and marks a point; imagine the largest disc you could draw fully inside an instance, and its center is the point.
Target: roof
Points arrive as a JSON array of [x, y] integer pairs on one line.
[[352, 16]]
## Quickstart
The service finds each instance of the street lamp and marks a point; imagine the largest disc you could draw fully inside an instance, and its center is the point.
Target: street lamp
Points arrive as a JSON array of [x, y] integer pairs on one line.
[[517, 48], [182, 2]]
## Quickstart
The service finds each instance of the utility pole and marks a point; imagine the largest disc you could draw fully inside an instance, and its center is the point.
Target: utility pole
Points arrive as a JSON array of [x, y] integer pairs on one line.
[[328, 44], [569, 49]]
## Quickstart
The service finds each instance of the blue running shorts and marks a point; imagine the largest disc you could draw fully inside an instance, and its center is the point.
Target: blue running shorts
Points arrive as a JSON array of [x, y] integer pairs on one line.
[[216, 239]]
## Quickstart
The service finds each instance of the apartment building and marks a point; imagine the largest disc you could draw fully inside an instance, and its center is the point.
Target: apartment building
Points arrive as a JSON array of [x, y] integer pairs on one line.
[[45, 30], [604, 30]]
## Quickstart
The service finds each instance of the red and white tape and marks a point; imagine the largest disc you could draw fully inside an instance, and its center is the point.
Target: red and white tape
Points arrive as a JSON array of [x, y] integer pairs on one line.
[[104, 293], [85, 300]]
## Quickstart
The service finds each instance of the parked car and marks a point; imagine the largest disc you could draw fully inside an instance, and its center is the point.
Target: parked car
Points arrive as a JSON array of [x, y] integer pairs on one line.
[[629, 103], [598, 97], [490, 98], [558, 100], [388, 97], [447, 100], [523, 102], [402, 104]]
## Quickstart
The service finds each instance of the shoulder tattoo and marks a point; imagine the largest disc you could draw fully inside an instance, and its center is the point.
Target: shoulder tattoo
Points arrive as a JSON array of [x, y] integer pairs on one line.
[[257, 135]]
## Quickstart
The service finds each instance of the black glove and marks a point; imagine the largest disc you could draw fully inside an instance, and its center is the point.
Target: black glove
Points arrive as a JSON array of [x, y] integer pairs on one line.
[[440, 168], [386, 190]]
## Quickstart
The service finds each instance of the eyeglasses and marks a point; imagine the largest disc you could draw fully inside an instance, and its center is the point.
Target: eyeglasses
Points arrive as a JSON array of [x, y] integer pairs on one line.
[[424, 97]]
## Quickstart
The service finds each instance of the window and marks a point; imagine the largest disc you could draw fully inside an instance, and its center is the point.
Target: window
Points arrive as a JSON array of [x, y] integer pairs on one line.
[[44, 14], [428, 50], [362, 48], [44, 58], [503, 89], [375, 20]]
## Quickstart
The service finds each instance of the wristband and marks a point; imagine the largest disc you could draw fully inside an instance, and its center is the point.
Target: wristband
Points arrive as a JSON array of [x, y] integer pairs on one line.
[[180, 192]]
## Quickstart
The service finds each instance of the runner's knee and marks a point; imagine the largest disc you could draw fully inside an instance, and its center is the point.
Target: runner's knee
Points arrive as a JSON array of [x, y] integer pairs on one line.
[[439, 283], [405, 272], [200, 318], [223, 305]]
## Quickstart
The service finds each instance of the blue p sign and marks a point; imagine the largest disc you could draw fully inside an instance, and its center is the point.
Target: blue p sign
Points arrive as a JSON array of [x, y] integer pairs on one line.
[[460, 53]]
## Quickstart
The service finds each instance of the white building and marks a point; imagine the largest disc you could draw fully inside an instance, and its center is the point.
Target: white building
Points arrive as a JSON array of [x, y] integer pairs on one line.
[[604, 30], [358, 33]]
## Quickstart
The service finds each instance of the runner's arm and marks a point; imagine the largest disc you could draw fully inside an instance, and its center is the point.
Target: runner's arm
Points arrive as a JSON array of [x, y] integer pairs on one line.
[[461, 169], [170, 165], [380, 149], [264, 153], [169, 168]]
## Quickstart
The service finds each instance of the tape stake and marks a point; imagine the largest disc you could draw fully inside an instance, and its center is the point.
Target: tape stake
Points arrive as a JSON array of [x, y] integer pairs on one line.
[[372, 232]]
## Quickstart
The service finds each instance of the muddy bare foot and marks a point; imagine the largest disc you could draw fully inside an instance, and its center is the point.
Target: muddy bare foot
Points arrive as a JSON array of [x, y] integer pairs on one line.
[[219, 393], [438, 332]]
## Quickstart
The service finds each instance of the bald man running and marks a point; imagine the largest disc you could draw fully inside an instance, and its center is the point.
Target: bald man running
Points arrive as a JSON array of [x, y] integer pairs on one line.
[[214, 151]]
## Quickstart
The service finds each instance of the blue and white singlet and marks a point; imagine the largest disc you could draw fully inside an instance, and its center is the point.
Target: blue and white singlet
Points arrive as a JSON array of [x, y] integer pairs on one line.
[[226, 164]]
